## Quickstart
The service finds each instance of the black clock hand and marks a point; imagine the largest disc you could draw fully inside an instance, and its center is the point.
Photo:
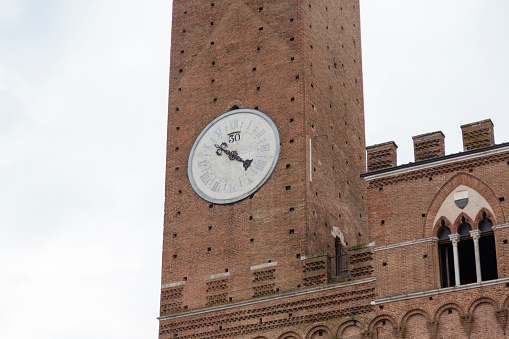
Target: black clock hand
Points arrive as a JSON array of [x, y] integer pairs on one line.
[[232, 155]]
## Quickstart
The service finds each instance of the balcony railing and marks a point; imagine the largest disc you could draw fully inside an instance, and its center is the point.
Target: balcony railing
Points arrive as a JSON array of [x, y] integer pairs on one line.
[[339, 265]]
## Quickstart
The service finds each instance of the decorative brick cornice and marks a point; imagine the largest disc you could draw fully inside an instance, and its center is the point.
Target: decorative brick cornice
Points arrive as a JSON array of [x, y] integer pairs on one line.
[[272, 313], [270, 298], [442, 165]]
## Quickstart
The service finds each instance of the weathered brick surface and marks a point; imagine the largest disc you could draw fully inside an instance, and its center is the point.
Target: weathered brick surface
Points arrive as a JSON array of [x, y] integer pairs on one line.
[[301, 65], [322, 309]]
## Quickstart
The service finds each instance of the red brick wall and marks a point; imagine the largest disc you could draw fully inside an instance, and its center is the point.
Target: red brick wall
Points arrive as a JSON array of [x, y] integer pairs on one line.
[[334, 122], [403, 208], [257, 54]]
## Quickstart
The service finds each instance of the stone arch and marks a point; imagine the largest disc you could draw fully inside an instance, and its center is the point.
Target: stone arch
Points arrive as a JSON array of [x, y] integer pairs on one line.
[[290, 335], [235, 104], [483, 300], [462, 179], [317, 329], [479, 217], [380, 318], [438, 225], [446, 307], [414, 312], [459, 221], [345, 325]]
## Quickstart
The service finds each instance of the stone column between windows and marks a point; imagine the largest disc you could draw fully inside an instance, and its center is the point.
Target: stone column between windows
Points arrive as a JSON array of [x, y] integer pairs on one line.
[[455, 238], [476, 234]]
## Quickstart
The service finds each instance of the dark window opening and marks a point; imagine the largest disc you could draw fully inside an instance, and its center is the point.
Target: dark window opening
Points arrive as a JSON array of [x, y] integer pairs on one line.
[[488, 257], [464, 228], [444, 232], [445, 256], [446, 264], [485, 225], [466, 256], [487, 249]]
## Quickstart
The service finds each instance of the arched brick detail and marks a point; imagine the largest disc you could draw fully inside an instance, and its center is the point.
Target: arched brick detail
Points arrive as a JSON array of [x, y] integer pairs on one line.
[[467, 180], [446, 307], [479, 217], [459, 221], [505, 304], [438, 225], [318, 328], [346, 324], [411, 313], [290, 334], [483, 300], [381, 317], [233, 104]]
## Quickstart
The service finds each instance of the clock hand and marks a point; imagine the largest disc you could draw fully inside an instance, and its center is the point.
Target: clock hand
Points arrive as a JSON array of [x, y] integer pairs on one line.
[[232, 155]]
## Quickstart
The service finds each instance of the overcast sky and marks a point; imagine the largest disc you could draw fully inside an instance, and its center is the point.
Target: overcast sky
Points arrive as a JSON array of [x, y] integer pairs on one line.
[[83, 101]]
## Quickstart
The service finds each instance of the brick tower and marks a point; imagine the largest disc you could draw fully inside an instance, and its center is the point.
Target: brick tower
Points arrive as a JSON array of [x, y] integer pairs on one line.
[[299, 63]]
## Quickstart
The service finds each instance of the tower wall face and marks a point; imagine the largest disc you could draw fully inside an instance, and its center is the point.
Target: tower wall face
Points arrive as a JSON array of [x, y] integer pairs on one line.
[[300, 64], [334, 122]]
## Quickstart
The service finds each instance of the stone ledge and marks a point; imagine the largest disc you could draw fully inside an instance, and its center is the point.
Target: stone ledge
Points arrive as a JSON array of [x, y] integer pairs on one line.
[[440, 291]]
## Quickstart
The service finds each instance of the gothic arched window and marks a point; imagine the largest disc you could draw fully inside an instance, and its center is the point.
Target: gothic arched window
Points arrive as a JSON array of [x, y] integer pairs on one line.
[[466, 253], [445, 256], [487, 249]]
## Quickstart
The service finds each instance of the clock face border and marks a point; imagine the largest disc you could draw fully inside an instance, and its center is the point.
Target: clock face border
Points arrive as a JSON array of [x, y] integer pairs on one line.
[[206, 129]]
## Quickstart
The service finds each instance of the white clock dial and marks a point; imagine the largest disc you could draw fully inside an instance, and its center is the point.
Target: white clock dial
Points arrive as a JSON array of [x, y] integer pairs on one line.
[[233, 156]]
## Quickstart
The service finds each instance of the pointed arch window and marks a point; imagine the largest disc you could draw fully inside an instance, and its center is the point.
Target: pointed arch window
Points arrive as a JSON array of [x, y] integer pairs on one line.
[[488, 257], [468, 256], [446, 257], [466, 253]]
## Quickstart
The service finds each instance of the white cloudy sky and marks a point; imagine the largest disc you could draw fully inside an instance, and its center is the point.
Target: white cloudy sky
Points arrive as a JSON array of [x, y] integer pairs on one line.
[[83, 95]]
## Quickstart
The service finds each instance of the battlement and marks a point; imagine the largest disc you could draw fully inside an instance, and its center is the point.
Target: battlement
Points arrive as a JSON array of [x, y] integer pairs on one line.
[[476, 135]]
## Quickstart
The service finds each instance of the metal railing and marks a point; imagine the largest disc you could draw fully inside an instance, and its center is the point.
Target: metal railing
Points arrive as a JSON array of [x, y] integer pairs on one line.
[[339, 264]]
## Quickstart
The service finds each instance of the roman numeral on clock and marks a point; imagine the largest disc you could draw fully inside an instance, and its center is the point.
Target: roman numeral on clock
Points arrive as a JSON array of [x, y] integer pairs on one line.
[[265, 148], [262, 132], [202, 163], [216, 187], [218, 131], [234, 124], [260, 165], [205, 178]]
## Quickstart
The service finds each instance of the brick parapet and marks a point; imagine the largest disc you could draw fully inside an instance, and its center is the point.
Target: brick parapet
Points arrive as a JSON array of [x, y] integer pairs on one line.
[[382, 156], [429, 145], [478, 134]]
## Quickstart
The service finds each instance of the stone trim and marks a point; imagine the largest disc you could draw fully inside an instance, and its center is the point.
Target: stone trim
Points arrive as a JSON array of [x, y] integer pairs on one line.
[[406, 243], [414, 167], [496, 227], [180, 283], [215, 276], [440, 291], [269, 298], [259, 267]]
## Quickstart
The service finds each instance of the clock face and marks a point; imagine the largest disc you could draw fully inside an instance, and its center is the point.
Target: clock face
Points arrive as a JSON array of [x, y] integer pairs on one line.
[[233, 156]]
